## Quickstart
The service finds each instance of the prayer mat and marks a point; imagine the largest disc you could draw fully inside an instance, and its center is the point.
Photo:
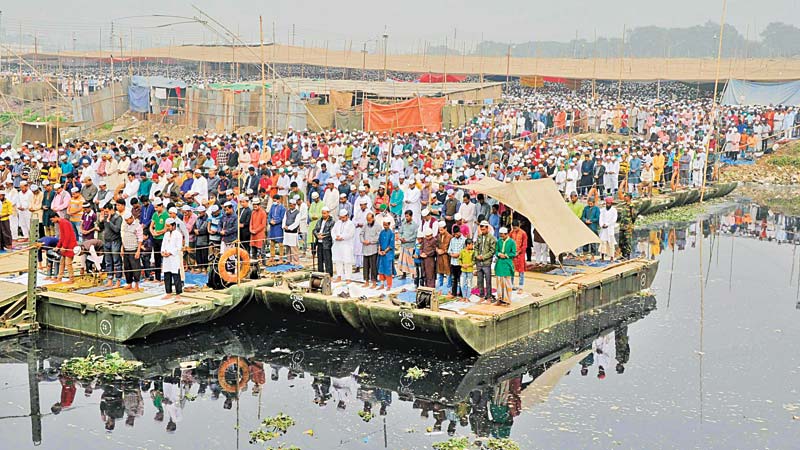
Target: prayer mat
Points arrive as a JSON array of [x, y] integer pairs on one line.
[[281, 268]]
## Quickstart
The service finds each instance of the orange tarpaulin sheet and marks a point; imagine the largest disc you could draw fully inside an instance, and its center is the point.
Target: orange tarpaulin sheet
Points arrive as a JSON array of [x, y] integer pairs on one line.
[[416, 114]]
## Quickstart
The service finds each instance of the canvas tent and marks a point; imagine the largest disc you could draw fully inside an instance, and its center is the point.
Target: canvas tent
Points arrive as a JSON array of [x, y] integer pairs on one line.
[[743, 92], [543, 205]]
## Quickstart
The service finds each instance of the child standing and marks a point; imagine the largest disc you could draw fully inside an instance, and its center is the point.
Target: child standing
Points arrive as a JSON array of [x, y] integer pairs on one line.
[[467, 260]]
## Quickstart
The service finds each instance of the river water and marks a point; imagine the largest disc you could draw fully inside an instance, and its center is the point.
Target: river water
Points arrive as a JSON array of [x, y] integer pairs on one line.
[[707, 360]]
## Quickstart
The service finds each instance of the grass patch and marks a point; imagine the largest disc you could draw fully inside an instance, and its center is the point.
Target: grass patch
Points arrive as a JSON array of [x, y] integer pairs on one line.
[[787, 156], [685, 213]]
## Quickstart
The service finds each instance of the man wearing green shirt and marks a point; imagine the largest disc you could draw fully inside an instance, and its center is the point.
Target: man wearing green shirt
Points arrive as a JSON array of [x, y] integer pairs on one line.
[[504, 267], [158, 226], [574, 205], [314, 214]]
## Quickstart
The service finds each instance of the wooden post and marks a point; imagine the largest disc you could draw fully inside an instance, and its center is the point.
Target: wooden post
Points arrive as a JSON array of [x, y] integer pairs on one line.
[[30, 305]]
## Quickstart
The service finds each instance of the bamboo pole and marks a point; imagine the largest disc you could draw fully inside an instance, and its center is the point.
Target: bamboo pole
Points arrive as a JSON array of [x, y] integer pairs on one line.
[[621, 61], [714, 100], [263, 84]]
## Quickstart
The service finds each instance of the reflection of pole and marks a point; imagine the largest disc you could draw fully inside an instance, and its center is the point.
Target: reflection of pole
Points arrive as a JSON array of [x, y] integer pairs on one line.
[[33, 391], [30, 306]]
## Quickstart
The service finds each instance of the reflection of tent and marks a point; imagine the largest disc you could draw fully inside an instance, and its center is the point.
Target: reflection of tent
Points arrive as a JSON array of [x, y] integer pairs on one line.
[[543, 205], [538, 391], [741, 92], [439, 78]]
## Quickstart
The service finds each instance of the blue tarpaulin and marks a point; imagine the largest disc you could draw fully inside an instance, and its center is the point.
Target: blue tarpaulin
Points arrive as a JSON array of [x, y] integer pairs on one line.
[[139, 98], [742, 92]]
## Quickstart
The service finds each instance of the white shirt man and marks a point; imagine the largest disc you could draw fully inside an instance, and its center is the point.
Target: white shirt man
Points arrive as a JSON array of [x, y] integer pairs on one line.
[[22, 208], [343, 234], [607, 223]]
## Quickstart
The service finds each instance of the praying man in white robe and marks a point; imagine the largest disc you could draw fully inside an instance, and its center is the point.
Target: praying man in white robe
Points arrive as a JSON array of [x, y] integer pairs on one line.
[[343, 234]]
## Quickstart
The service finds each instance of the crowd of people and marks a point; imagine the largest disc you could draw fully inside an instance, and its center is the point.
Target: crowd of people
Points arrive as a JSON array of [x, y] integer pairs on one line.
[[372, 202]]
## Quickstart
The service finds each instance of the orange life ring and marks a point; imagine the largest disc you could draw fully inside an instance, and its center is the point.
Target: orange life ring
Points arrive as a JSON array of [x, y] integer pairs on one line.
[[240, 364], [239, 272]]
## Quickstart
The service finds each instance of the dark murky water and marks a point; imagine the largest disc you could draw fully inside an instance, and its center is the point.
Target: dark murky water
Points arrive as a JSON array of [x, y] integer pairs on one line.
[[709, 361]]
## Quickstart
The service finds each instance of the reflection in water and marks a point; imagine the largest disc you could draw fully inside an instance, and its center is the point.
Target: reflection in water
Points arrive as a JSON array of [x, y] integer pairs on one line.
[[481, 395]]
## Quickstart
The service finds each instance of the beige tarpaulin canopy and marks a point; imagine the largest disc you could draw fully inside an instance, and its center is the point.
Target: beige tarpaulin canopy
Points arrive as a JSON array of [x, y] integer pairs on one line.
[[539, 390], [543, 205]]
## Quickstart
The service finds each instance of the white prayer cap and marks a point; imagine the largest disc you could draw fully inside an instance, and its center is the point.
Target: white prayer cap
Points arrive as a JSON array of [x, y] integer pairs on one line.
[[343, 212], [315, 195], [503, 230], [442, 223], [325, 209], [387, 220], [457, 216], [428, 232], [425, 212], [127, 215]]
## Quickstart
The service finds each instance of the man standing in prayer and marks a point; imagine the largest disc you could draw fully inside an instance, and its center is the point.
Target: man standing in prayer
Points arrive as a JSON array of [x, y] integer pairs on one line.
[[171, 250], [360, 220], [275, 235], [258, 226], [428, 255], [386, 243], [442, 258], [408, 238], [453, 252], [343, 234], [626, 223], [520, 238], [369, 236], [132, 238], [607, 223], [324, 241], [485, 247], [504, 267], [291, 228], [591, 218], [314, 214]]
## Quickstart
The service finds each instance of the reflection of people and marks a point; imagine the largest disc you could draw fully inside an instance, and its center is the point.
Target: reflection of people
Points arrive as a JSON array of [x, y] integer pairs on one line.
[[623, 348], [173, 403], [111, 406], [322, 390], [134, 404], [604, 351], [68, 390]]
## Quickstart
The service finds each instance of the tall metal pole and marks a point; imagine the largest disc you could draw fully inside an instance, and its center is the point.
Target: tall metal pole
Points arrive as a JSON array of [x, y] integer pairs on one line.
[[385, 51], [508, 64], [1, 41]]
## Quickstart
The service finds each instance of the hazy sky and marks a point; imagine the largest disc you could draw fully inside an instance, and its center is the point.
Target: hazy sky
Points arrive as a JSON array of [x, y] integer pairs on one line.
[[410, 21]]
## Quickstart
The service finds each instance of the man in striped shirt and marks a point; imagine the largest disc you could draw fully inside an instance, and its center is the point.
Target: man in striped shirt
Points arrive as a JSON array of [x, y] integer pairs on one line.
[[132, 237]]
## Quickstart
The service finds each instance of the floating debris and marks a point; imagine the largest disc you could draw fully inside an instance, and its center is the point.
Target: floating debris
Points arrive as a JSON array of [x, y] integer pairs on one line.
[[415, 373], [111, 365]]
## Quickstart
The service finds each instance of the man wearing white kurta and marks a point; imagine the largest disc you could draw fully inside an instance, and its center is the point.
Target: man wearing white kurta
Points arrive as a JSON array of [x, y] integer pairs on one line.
[[343, 234], [331, 196], [171, 251], [411, 200], [608, 223], [359, 221], [22, 208]]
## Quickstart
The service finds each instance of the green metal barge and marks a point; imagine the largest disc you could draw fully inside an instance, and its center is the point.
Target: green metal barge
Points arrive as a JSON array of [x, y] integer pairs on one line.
[[547, 301]]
